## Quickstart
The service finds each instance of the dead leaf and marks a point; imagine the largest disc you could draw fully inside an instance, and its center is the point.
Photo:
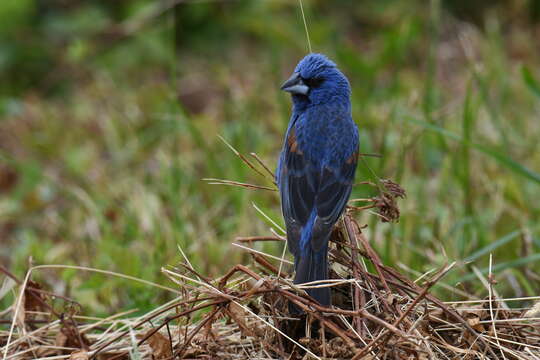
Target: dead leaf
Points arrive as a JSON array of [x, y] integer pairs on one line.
[[160, 345], [34, 300], [69, 337], [239, 315], [534, 311], [474, 322], [61, 339]]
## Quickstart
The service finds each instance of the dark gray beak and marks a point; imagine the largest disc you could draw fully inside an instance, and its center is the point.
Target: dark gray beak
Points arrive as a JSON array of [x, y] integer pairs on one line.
[[295, 85]]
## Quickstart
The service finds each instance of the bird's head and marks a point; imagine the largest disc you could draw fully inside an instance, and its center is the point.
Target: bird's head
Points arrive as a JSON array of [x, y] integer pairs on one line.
[[316, 80]]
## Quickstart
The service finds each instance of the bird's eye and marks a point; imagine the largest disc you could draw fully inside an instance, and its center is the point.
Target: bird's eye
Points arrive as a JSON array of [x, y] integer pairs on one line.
[[314, 82]]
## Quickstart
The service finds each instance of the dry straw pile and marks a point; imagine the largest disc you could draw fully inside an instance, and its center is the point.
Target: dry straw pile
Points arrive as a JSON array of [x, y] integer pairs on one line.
[[377, 314], [244, 314]]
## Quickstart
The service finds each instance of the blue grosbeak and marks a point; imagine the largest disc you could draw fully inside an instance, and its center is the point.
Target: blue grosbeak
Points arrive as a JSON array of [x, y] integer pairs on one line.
[[317, 164]]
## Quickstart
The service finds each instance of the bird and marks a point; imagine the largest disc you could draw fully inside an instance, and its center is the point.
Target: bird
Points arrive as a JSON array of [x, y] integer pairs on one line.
[[316, 166]]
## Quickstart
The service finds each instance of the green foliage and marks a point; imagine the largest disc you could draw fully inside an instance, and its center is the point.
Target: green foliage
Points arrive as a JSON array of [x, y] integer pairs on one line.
[[111, 116]]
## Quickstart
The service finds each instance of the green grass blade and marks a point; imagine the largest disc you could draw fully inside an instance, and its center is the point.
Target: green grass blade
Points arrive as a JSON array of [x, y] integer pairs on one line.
[[502, 159], [469, 114], [531, 259], [491, 247], [530, 81]]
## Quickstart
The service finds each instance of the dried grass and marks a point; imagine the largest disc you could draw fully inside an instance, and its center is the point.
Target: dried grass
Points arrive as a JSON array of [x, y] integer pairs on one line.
[[244, 314], [377, 314]]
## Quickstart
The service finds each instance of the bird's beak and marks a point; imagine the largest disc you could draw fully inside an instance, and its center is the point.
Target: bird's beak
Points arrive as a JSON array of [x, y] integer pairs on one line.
[[295, 85]]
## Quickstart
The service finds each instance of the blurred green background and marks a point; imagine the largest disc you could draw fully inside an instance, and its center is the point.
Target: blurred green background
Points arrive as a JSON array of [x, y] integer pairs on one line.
[[111, 111]]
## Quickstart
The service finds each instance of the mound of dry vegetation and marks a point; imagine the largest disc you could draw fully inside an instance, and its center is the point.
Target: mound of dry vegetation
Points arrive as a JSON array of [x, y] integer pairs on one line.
[[378, 314]]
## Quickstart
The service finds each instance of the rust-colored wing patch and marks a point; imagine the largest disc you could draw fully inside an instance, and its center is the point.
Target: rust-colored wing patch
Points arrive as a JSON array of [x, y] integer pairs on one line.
[[293, 143], [353, 159]]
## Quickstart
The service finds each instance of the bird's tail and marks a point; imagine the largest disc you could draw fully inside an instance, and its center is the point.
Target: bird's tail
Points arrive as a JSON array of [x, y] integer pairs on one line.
[[311, 263], [312, 267]]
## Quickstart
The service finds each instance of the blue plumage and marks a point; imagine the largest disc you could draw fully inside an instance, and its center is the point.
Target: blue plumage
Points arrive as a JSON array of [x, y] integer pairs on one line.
[[317, 164]]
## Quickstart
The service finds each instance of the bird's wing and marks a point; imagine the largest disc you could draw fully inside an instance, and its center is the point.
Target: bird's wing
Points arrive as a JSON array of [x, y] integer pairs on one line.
[[298, 183], [304, 187], [332, 196]]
